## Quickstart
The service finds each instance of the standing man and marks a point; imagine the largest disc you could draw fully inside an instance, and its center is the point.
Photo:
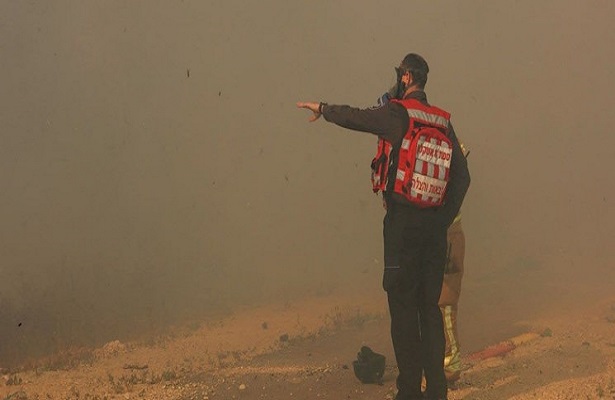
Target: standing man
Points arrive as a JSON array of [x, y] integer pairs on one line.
[[424, 177], [453, 275], [449, 298]]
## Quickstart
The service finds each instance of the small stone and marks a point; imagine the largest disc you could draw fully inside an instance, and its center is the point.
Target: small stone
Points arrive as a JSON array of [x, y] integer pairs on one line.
[[242, 387], [547, 333]]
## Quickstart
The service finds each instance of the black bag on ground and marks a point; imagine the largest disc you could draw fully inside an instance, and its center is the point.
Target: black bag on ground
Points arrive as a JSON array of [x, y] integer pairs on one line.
[[369, 366]]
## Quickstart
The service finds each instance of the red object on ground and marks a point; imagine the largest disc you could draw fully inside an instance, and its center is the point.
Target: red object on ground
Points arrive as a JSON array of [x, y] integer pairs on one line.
[[493, 351]]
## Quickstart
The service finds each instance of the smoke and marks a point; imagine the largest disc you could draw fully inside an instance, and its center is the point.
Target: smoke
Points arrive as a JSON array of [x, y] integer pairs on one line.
[[154, 167]]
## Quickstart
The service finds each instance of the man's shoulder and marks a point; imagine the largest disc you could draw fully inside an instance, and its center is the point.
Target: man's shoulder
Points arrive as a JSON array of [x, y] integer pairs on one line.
[[393, 108]]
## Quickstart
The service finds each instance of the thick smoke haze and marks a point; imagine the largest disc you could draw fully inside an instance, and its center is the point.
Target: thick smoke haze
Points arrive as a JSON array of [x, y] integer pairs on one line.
[[154, 167]]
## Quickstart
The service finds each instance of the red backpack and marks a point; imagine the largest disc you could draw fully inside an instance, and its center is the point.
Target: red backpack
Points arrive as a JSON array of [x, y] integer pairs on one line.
[[427, 161], [424, 156]]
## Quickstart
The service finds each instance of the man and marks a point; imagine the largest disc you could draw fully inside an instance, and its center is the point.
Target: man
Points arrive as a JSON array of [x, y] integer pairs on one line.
[[451, 291], [453, 275], [449, 298], [423, 196]]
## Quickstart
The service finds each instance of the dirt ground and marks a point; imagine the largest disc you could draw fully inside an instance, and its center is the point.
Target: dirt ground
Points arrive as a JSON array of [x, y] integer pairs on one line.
[[305, 349]]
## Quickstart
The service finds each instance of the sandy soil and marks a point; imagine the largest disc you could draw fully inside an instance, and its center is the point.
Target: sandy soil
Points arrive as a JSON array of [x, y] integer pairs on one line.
[[304, 350]]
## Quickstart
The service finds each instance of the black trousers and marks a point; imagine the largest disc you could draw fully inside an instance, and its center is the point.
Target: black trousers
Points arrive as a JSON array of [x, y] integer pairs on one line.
[[415, 255]]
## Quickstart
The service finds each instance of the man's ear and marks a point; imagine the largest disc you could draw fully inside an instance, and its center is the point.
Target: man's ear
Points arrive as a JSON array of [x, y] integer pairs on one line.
[[410, 79]]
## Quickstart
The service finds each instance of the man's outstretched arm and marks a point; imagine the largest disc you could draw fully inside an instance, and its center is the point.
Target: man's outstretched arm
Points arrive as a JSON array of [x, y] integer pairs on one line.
[[388, 121]]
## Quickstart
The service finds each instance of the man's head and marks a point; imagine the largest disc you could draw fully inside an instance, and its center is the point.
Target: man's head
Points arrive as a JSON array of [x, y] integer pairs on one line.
[[412, 73]]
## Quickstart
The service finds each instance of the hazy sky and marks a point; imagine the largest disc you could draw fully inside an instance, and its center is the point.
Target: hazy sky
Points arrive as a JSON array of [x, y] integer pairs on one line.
[[153, 163]]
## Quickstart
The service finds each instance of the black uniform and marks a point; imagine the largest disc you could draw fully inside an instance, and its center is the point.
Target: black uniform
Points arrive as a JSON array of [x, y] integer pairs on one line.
[[414, 252]]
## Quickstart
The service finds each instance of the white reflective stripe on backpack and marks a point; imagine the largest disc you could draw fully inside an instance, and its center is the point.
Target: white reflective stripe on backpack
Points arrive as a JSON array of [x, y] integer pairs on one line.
[[431, 119]]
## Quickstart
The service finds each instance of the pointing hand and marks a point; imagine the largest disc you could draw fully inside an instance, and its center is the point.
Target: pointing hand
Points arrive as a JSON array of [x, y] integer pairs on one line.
[[314, 107]]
